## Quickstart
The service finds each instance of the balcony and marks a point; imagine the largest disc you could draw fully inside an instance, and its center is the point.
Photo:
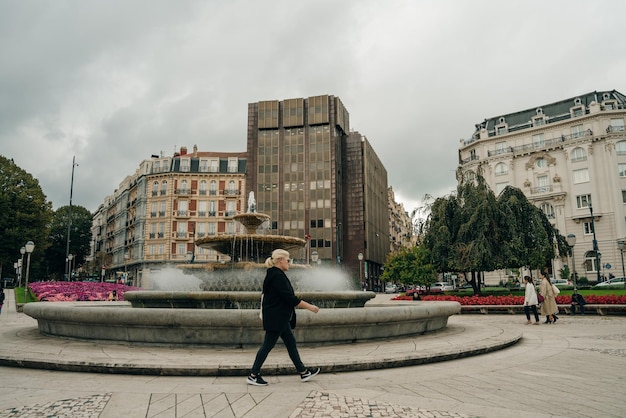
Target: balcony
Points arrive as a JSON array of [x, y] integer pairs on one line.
[[548, 143], [183, 191], [160, 235], [161, 213], [202, 213], [231, 192], [152, 235], [182, 213], [182, 235], [153, 214]]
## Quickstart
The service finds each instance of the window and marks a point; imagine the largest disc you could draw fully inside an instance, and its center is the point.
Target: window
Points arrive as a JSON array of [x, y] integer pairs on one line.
[[538, 141], [623, 196], [184, 164], [156, 167], [183, 186], [548, 210], [204, 166], [164, 188], [232, 165], [620, 148], [183, 208], [617, 125], [155, 188], [590, 262], [577, 111], [543, 185], [181, 249], [577, 131], [541, 163], [500, 147], [202, 208], [581, 176], [231, 187], [214, 166], [153, 212], [578, 154], [587, 228], [501, 169], [583, 201], [622, 169], [213, 187], [203, 187], [502, 130]]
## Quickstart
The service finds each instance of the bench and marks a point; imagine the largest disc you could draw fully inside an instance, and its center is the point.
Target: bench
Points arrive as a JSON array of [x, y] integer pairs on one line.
[[600, 309]]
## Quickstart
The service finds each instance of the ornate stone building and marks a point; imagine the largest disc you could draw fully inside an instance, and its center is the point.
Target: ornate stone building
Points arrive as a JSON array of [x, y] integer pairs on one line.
[[156, 214], [569, 159]]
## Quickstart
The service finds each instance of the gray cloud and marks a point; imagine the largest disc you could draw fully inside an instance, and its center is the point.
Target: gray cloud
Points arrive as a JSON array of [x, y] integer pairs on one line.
[[114, 82]]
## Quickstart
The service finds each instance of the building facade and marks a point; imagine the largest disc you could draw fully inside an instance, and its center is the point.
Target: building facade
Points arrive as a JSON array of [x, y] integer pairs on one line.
[[401, 233], [156, 214], [569, 159], [311, 176]]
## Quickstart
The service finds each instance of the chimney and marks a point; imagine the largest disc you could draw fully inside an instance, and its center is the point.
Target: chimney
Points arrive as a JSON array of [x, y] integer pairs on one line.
[[195, 150], [183, 150]]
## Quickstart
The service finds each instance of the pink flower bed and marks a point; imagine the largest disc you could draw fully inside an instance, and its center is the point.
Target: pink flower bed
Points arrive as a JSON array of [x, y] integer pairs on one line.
[[518, 300], [76, 291]]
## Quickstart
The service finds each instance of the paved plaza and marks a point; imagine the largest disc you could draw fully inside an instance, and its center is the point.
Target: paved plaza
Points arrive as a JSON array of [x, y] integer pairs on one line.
[[574, 368]]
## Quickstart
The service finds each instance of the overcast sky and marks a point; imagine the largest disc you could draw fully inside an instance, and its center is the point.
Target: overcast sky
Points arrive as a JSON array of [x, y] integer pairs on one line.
[[113, 82]]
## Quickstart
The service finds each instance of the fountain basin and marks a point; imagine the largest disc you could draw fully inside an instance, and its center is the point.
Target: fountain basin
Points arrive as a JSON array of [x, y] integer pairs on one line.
[[238, 300], [118, 321]]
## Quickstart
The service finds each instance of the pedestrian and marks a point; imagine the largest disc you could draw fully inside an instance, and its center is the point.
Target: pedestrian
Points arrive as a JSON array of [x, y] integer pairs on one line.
[[113, 295], [278, 305], [577, 300], [530, 300], [548, 306], [1, 299]]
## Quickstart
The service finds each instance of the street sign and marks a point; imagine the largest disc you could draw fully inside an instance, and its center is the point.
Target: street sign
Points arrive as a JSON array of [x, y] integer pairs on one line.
[[607, 266]]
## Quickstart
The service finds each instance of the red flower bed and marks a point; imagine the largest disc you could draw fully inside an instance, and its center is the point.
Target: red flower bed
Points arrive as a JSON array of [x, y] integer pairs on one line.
[[76, 291], [517, 300]]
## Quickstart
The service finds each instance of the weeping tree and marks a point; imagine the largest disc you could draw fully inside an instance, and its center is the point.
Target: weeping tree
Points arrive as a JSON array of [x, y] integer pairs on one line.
[[472, 231]]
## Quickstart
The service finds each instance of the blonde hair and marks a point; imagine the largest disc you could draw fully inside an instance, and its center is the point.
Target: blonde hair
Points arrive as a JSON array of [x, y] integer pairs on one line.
[[276, 254]]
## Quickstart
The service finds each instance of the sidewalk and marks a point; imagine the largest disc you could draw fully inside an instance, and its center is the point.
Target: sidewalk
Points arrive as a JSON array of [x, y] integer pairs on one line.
[[577, 359]]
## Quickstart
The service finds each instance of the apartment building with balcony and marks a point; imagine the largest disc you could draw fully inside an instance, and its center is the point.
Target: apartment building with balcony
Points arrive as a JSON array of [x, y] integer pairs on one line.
[[569, 159], [401, 233], [156, 214]]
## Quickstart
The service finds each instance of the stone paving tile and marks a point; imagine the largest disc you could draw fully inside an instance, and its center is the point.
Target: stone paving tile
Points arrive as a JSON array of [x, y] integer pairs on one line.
[[316, 405], [84, 407], [325, 404]]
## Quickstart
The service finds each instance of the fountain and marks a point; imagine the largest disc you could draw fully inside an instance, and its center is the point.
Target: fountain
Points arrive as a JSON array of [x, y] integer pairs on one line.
[[227, 314]]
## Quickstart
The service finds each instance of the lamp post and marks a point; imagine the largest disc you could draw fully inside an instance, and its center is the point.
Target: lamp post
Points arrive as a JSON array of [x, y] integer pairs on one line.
[[30, 246], [22, 251], [360, 257], [571, 241], [620, 244], [126, 258], [595, 242], [70, 257]]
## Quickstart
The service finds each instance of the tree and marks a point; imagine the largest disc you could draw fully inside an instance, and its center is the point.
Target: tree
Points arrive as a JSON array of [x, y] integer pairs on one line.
[[80, 238], [24, 216], [410, 266], [472, 232]]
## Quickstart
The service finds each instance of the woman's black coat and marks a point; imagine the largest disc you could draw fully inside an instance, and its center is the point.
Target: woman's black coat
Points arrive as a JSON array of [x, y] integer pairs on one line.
[[279, 301]]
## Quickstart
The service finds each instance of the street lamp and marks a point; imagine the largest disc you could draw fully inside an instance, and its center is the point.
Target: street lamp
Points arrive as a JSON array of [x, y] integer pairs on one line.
[[620, 244], [360, 257], [571, 241], [595, 242], [126, 258], [70, 257], [30, 246], [22, 251]]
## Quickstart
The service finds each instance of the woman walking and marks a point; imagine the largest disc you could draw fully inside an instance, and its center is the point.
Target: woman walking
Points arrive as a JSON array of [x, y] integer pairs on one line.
[[548, 306], [279, 317], [530, 300]]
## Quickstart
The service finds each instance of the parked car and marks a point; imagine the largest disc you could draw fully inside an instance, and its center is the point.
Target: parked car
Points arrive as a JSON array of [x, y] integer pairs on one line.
[[391, 288], [561, 282], [615, 281], [441, 285]]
